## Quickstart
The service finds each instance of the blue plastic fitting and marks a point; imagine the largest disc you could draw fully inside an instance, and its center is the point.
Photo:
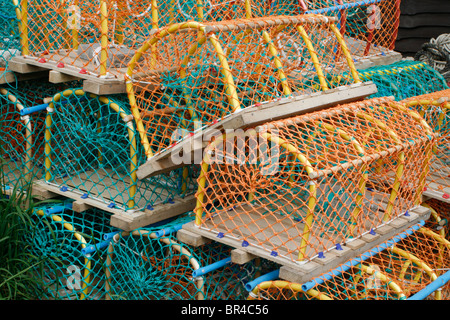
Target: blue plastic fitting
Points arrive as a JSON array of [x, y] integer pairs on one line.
[[92, 248], [33, 109], [57, 209], [214, 266], [353, 262], [266, 277]]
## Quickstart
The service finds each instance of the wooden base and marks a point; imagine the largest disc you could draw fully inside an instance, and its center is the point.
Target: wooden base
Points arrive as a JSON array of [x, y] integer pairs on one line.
[[437, 188], [12, 77], [91, 82], [300, 272], [376, 56], [122, 219], [191, 147]]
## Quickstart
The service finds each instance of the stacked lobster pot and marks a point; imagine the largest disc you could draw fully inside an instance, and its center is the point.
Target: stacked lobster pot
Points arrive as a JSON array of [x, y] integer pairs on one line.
[[225, 150]]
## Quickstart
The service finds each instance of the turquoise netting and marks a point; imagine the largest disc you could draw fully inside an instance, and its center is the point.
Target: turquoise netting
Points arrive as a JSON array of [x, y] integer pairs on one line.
[[404, 79], [95, 152]]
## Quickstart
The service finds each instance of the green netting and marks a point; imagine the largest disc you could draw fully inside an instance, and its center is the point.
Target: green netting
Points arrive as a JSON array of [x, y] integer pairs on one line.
[[404, 79], [9, 34], [85, 258], [72, 268], [22, 137], [94, 151], [150, 263]]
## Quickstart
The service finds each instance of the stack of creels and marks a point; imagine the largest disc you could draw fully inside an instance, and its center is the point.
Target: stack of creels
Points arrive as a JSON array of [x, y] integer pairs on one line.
[[101, 37]]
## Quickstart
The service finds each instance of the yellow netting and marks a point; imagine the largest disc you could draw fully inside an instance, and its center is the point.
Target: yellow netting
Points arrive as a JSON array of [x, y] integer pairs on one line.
[[297, 187]]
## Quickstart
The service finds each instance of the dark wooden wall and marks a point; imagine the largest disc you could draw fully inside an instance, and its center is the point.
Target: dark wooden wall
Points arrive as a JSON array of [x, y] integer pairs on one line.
[[420, 21]]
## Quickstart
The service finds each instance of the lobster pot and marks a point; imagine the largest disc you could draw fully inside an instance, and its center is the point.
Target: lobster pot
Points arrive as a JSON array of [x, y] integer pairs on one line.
[[191, 81], [295, 188], [370, 27], [150, 264], [404, 79], [9, 34], [93, 151], [73, 246], [398, 269], [22, 136], [101, 37], [435, 109], [425, 249]]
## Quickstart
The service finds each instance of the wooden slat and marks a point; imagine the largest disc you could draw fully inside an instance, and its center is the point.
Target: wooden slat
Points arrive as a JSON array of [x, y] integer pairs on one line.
[[302, 272], [250, 117], [109, 186]]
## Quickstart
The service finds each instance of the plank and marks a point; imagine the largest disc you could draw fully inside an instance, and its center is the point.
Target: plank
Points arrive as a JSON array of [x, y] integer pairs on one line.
[[11, 77], [132, 220], [71, 71], [19, 65], [59, 77], [300, 272], [102, 88], [191, 147], [239, 256], [125, 220], [80, 206]]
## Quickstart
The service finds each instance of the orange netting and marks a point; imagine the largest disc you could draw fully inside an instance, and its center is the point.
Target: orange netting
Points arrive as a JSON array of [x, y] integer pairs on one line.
[[100, 37], [191, 75], [440, 215], [297, 187], [435, 109], [399, 271]]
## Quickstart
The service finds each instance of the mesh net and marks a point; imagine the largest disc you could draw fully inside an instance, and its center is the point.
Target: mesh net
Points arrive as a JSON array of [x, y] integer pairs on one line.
[[22, 136], [151, 264], [197, 80], [370, 27], [85, 258], [404, 79], [101, 36], [435, 109], [74, 251], [9, 34], [395, 271], [440, 215], [93, 150], [288, 188]]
